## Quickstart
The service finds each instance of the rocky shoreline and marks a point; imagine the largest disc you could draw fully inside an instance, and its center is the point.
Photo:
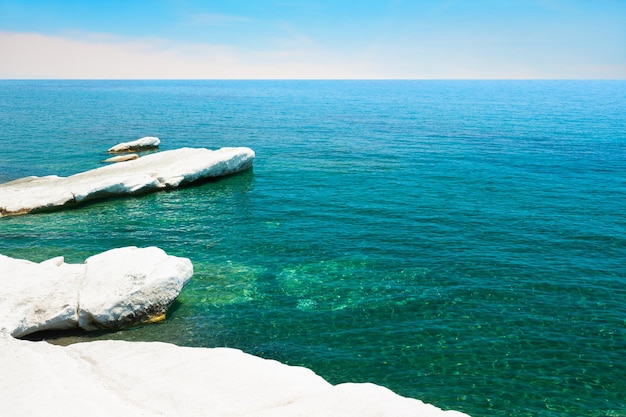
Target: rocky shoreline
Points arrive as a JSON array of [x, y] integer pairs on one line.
[[128, 286], [104, 378]]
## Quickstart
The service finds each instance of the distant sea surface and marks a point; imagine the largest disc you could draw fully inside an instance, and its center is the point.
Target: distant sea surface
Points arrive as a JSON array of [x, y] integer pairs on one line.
[[460, 242]]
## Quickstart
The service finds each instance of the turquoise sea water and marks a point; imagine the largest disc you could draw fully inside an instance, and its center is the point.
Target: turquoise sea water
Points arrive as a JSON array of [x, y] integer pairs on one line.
[[460, 242]]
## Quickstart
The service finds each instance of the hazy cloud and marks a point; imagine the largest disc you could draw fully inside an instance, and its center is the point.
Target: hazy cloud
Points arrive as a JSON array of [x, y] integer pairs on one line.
[[102, 56], [32, 55]]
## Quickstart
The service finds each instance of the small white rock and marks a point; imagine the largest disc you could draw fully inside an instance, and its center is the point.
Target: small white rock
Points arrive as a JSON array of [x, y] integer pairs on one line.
[[148, 142], [122, 158]]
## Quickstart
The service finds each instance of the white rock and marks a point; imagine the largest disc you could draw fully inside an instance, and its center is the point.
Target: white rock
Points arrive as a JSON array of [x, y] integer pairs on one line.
[[127, 286], [158, 171], [122, 158], [149, 142], [43, 380], [38, 296], [109, 378], [34, 193], [112, 290]]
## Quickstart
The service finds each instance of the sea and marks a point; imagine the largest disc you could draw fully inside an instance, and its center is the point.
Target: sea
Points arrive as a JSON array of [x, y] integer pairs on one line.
[[459, 242]]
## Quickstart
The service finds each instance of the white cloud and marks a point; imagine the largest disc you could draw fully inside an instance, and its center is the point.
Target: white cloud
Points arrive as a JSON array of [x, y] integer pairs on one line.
[[32, 55]]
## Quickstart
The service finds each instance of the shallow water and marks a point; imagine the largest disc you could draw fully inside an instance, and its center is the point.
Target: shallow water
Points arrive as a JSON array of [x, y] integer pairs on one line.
[[458, 242]]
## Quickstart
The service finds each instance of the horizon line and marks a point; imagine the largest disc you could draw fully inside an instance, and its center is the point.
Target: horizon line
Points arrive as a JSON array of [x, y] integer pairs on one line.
[[313, 79]]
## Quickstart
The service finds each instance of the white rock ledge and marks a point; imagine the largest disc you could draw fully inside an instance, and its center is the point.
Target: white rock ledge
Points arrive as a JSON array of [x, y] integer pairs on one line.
[[149, 142], [117, 378], [154, 172]]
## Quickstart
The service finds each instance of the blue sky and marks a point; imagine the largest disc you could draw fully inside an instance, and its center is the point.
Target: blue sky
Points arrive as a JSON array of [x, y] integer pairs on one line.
[[313, 39]]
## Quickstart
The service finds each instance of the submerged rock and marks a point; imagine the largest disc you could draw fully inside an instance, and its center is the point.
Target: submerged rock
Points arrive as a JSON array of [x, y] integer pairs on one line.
[[112, 290], [154, 172], [149, 142], [122, 158]]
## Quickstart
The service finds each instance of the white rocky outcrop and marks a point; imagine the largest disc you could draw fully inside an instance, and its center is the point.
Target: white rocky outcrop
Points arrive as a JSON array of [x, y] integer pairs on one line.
[[118, 378], [149, 142], [126, 286], [154, 172], [38, 296], [112, 290]]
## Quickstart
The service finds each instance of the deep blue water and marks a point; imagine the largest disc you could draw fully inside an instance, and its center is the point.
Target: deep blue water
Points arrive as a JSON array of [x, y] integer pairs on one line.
[[461, 242]]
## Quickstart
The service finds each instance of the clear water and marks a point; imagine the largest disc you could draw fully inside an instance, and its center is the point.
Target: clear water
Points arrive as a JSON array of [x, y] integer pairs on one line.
[[461, 242]]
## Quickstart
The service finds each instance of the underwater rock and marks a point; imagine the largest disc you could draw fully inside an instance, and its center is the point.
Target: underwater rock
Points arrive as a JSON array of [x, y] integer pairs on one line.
[[154, 172], [122, 158]]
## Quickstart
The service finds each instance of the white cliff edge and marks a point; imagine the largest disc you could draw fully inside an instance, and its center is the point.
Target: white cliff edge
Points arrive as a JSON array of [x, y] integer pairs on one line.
[[149, 142], [154, 172], [107, 378]]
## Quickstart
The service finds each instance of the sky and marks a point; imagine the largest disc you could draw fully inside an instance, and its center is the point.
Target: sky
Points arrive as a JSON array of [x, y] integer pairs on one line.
[[313, 39]]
